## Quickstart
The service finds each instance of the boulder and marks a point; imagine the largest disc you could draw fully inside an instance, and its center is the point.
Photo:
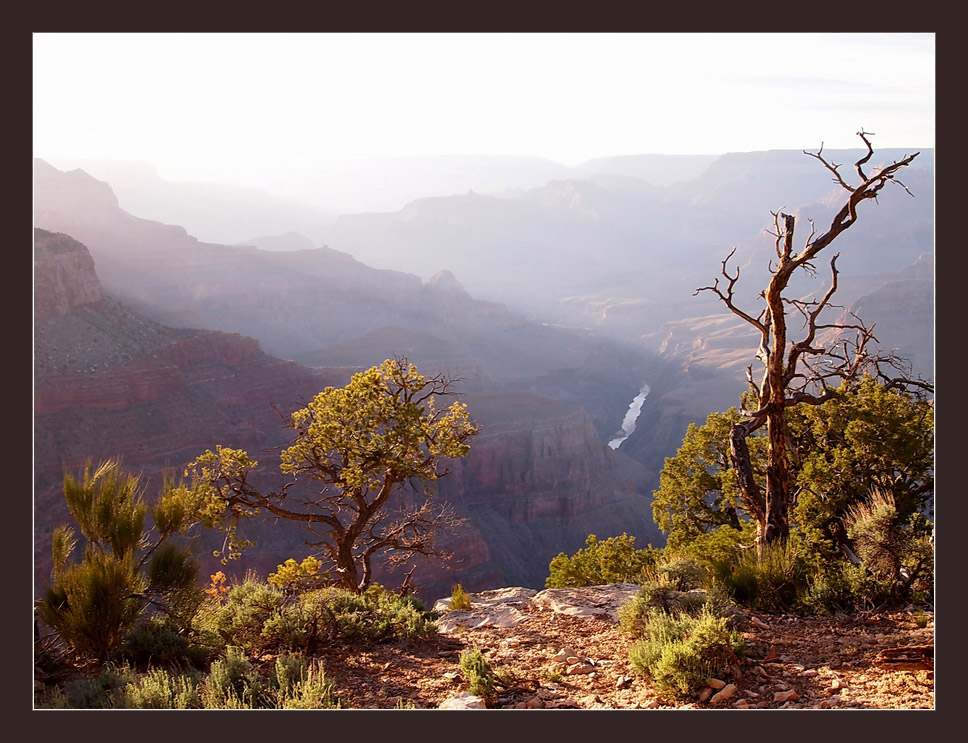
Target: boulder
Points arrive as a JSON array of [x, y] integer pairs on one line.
[[464, 700], [589, 601]]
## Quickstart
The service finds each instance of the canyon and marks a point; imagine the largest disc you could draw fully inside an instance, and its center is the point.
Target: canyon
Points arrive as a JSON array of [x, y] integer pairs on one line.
[[109, 382], [154, 345]]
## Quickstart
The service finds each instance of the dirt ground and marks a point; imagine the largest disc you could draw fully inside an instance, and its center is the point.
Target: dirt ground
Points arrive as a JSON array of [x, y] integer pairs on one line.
[[861, 662]]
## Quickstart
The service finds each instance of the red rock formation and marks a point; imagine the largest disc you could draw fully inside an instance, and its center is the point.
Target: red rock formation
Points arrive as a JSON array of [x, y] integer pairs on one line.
[[64, 276], [110, 383]]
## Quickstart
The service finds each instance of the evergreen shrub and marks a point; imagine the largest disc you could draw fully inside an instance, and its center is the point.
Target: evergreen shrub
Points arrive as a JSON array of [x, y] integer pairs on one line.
[[614, 560], [681, 652]]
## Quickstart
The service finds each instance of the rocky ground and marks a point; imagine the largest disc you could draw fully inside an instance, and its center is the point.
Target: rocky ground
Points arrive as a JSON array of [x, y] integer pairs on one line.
[[563, 649], [555, 660]]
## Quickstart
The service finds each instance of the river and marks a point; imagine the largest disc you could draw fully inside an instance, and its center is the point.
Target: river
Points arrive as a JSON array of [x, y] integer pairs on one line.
[[631, 416]]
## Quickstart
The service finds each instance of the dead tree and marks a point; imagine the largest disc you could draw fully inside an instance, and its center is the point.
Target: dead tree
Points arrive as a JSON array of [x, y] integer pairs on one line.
[[802, 371]]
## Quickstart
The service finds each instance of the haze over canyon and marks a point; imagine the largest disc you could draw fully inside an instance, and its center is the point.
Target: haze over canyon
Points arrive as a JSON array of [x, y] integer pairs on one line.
[[171, 317]]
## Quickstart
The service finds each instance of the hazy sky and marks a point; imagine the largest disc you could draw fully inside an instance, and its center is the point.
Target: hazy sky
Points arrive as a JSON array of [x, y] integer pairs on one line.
[[205, 106]]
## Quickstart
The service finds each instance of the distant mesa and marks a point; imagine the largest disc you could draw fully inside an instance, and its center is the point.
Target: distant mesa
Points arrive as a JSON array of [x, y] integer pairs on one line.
[[288, 241], [447, 281]]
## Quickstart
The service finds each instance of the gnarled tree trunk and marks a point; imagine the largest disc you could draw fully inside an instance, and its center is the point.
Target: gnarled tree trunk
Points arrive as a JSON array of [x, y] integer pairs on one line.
[[797, 373]]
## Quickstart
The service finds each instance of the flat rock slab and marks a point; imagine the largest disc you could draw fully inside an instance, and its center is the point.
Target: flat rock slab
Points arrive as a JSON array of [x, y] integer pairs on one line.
[[502, 607], [589, 601], [485, 616], [512, 596], [464, 700]]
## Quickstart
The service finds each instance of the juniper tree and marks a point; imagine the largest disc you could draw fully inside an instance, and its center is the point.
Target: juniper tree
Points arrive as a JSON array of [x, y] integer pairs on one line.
[[867, 437], [363, 462], [801, 371]]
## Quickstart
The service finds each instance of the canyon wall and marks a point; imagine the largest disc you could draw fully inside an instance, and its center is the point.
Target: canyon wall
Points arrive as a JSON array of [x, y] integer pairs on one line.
[[108, 382]]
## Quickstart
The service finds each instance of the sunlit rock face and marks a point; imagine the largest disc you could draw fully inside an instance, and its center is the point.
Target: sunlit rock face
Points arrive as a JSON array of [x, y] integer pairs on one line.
[[65, 276]]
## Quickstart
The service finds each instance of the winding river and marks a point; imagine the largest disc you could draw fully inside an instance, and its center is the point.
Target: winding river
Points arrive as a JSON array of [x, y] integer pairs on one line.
[[631, 416]]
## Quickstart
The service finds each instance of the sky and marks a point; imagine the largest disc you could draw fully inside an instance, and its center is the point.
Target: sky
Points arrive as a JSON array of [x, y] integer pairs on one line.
[[204, 106]]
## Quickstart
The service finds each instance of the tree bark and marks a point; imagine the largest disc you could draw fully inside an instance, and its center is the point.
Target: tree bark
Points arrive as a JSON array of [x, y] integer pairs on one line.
[[782, 384]]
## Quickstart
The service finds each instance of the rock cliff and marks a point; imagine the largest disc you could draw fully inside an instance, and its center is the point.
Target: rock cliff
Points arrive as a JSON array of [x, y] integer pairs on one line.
[[64, 276], [108, 382]]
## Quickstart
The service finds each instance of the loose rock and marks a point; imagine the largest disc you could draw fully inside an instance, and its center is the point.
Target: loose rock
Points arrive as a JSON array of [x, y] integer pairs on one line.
[[464, 700], [723, 694]]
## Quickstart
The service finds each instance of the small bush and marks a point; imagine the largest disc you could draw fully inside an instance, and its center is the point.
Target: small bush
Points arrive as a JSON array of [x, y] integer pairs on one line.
[[552, 675], [840, 587], [260, 619], [299, 684], [127, 572], [156, 642], [599, 563], [897, 555], [305, 623], [679, 653], [635, 615], [294, 577], [459, 599], [91, 607], [159, 689], [240, 619], [681, 572], [103, 691], [380, 615], [399, 617], [774, 581], [480, 675], [233, 683]]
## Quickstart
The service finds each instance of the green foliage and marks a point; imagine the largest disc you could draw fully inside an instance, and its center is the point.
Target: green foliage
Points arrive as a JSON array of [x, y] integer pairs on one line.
[[305, 623], [240, 618], [698, 493], [295, 577], [294, 683], [459, 599], [720, 544], [172, 576], [680, 652], [233, 682], [160, 689], [681, 633], [680, 571], [158, 642], [896, 565], [355, 450], [381, 615], [102, 691], [127, 572], [108, 507], [842, 587], [773, 581], [552, 675], [400, 428], [866, 438], [897, 554], [303, 685], [634, 615], [614, 560], [91, 607], [259, 618], [482, 680]]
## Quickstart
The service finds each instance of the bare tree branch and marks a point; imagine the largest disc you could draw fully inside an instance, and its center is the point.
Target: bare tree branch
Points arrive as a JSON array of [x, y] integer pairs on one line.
[[806, 374]]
